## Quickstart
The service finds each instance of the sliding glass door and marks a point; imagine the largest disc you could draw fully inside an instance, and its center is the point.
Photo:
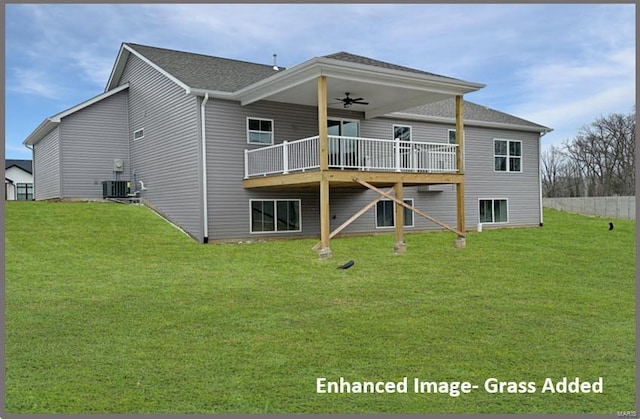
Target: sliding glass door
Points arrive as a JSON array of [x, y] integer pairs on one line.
[[343, 152]]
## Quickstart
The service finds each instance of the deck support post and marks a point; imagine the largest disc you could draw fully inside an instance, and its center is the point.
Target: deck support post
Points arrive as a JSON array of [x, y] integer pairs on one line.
[[325, 223], [324, 252], [400, 246], [460, 240]]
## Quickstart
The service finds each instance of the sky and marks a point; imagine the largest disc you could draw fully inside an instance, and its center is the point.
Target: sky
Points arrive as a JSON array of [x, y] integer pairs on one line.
[[558, 65]]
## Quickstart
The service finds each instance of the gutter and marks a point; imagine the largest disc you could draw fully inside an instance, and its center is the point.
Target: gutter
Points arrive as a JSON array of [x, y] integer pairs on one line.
[[203, 139]]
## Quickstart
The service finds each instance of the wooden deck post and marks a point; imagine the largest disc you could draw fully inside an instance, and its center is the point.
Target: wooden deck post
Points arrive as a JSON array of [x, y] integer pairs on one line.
[[325, 223], [460, 240], [322, 123], [400, 246], [325, 227]]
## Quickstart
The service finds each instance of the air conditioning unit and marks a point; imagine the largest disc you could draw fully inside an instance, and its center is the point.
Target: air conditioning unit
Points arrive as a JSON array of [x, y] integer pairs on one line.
[[115, 188]]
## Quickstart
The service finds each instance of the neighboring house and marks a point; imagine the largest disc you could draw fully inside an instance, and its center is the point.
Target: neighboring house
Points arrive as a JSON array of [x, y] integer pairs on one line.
[[228, 149], [18, 180]]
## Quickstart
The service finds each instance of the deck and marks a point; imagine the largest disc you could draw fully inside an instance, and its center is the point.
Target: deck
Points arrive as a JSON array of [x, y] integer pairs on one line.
[[379, 162]]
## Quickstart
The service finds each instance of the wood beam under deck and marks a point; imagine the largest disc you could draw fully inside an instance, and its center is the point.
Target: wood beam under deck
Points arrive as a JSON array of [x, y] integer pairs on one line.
[[344, 179]]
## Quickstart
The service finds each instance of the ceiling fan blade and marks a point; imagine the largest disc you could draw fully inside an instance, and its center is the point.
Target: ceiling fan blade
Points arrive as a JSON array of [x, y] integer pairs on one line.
[[360, 98], [360, 103]]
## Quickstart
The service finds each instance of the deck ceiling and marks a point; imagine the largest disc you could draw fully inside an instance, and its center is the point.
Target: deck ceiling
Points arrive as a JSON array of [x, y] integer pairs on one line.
[[386, 90]]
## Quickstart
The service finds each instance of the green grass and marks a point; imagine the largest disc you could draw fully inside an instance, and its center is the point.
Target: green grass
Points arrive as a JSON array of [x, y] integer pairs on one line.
[[111, 310]]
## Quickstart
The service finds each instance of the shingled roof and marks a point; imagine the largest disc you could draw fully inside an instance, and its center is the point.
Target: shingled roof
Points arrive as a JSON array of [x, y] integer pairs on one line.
[[472, 112], [25, 165], [205, 72], [358, 59]]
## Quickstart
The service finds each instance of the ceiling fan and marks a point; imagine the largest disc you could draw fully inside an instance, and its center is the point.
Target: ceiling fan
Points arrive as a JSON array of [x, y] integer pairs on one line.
[[347, 101]]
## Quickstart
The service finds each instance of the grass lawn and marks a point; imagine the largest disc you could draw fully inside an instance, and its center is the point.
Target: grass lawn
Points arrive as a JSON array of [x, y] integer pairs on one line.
[[111, 310]]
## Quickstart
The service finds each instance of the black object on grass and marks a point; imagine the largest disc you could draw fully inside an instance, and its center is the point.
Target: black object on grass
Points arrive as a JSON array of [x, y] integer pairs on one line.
[[610, 226], [347, 265]]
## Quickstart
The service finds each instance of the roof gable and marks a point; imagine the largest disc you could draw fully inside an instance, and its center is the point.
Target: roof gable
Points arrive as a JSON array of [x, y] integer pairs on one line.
[[200, 72], [25, 165], [50, 123], [358, 59]]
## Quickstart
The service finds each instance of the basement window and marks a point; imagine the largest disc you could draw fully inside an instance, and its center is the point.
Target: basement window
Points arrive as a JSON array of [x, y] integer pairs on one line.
[[493, 211], [386, 216], [259, 131], [138, 134], [275, 215]]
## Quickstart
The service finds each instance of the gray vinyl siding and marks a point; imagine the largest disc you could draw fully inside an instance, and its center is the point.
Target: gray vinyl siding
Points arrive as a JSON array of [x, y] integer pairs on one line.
[[226, 141], [229, 202], [46, 166], [482, 182], [91, 139], [167, 159]]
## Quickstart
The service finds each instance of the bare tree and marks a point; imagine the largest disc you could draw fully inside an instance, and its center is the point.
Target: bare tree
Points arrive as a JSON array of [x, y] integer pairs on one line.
[[604, 152], [552, 161]]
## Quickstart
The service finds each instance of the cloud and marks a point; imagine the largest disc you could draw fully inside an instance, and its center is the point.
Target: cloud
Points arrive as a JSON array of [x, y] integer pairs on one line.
[[34, 82]]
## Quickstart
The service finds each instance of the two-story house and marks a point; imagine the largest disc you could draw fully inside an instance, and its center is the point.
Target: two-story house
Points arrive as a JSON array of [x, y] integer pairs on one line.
[[228, 149]]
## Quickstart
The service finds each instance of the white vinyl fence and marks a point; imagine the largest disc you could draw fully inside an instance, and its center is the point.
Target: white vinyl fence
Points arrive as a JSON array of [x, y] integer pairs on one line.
[[604, 206]]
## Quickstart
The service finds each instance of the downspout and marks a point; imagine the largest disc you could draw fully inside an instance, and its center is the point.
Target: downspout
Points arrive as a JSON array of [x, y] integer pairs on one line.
[[542, 134], [203, 139]]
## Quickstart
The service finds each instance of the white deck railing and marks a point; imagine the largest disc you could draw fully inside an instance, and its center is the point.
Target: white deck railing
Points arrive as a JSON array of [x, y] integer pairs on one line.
[[353, 153]]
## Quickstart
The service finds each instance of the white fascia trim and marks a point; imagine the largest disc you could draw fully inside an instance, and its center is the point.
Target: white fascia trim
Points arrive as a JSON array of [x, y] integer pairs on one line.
[[213, 94], [277, 83], [50, 123], [156, 67], [58, 117], [469, 122], [350, 71], [118, 67], [398, 78], [39, 133]]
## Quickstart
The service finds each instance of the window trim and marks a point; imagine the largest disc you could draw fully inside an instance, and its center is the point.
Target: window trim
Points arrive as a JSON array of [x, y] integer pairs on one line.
[[393, 131], [492, 211], [342, 121], [508, 156], [275, 208], [137, 131], [27, 187], [272, 132], [413, 219]]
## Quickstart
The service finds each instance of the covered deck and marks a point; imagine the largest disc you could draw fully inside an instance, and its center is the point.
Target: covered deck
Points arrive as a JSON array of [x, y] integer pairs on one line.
[[325, 161]]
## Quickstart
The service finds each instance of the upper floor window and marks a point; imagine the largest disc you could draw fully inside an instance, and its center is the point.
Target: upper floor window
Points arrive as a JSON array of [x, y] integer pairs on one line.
[[403, 132], [452, 136], [259, 131], [138, 134], [507, 155]]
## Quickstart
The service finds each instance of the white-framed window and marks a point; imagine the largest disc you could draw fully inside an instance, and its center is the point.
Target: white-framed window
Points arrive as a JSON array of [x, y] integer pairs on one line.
[[452, 139], [493, 211], [507, 156], [275, 215], [452, 136], [259, 131], [386, 216], [403, 132], [138, 134]]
